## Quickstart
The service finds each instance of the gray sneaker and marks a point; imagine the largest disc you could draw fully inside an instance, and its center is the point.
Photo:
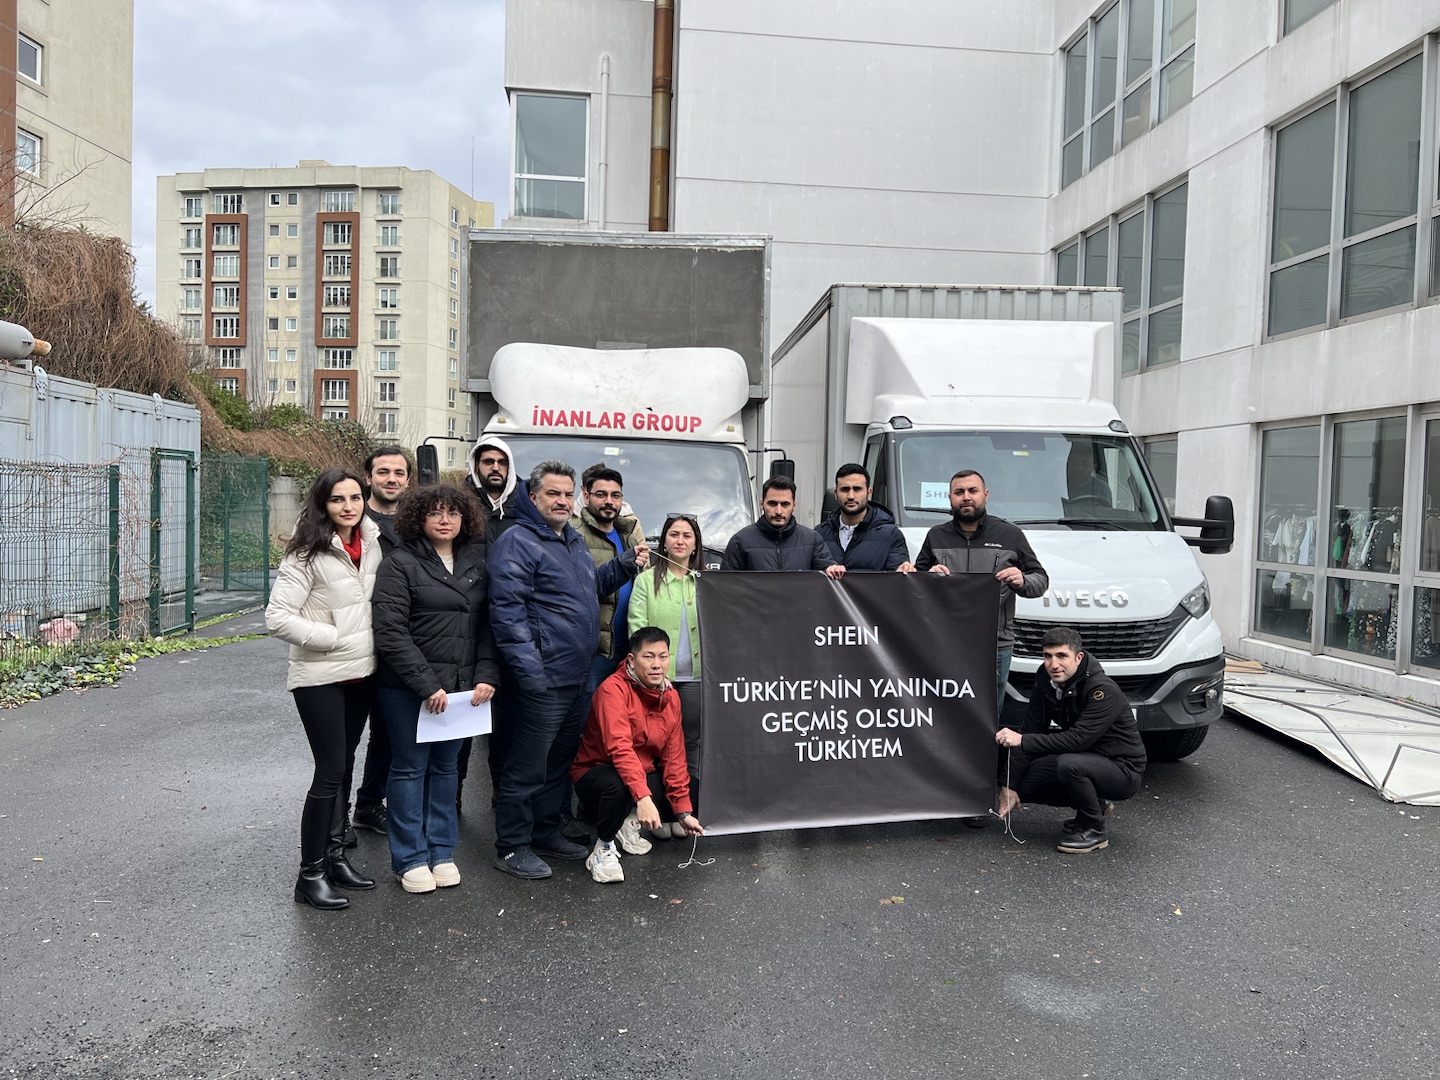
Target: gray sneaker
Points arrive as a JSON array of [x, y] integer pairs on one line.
[[523, 863]]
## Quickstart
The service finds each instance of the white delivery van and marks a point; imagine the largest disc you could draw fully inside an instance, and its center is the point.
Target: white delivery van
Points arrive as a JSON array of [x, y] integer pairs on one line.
[[1029, 403]]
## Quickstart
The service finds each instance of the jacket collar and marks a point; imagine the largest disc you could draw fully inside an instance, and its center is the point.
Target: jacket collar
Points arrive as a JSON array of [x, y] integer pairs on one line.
[[624, 523], [770, 532], [528, 515]]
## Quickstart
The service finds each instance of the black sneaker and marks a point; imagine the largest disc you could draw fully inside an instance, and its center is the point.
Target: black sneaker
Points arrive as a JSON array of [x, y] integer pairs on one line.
[[576, 830], [561, 847], [977, 822], [1081, 842], [523, 863], [372, 818], [1073, 824]]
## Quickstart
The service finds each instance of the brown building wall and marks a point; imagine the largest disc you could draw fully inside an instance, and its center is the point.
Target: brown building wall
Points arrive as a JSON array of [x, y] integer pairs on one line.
[[211, 220], [349, 375], [353, 338], [9, 29]]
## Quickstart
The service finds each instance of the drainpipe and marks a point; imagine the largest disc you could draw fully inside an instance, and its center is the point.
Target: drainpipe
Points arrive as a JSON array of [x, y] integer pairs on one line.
[[662, 87], [604, 131]]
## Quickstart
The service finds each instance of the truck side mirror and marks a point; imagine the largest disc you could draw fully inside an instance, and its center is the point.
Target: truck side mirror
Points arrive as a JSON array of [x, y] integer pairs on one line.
[[783, 467], [829, 504], [1217, 527], [427, 464]]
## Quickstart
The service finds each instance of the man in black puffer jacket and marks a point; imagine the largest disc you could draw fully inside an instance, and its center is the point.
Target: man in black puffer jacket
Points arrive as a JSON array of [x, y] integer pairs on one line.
[[777, 541], [1079, 744], [859, 535]]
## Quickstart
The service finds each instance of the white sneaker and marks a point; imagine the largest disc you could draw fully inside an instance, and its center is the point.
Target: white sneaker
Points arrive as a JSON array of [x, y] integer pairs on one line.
[[418, 879], [445, 874], [629, 838], [604, 863]]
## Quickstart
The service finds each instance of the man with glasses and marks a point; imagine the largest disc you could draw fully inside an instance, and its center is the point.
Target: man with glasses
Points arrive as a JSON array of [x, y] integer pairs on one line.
[[493, 480], [608, 533]]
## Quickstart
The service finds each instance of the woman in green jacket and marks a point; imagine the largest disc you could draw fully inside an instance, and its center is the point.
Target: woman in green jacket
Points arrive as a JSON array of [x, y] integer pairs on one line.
[[665, 597]]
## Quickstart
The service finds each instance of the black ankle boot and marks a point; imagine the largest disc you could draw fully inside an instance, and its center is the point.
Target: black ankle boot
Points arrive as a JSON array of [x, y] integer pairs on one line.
[[313, 887], [337, 866]]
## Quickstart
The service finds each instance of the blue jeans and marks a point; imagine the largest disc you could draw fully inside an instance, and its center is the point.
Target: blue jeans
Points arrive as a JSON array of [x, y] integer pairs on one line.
[[535, 781], [424, 824], [1002, 677]]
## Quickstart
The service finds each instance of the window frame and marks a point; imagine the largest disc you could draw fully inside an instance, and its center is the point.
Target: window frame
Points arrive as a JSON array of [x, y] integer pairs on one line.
[[516, 176], [36, 170], [22, 39]]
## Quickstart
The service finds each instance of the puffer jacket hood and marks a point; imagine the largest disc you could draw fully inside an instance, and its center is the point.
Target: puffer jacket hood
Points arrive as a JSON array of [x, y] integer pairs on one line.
[[500, 444]]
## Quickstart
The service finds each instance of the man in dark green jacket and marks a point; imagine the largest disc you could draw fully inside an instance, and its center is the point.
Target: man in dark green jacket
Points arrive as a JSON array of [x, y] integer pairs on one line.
[[1079, 744], [608, 533]]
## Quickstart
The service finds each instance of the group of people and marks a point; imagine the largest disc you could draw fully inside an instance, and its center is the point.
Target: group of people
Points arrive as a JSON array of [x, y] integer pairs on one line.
[[586, 644]]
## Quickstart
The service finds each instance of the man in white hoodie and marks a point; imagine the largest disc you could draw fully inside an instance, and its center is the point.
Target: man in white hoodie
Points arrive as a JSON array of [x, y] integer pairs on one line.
[[492, 479]]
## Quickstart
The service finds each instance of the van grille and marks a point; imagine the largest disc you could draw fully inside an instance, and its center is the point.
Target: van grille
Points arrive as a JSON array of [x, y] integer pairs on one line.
[[1107, 641]]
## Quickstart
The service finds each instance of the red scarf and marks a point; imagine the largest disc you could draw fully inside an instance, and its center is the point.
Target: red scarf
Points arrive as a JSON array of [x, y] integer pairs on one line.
[[353, 548]]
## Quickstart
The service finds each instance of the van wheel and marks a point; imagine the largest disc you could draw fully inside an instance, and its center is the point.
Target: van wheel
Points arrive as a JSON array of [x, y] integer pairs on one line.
[[1173, 745]]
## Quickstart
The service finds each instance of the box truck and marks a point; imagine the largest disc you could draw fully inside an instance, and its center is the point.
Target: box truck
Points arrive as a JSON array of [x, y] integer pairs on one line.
[[917, 382]]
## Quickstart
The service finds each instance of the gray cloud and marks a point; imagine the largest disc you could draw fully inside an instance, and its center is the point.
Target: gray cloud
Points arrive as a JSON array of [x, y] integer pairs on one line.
[[355, 82]]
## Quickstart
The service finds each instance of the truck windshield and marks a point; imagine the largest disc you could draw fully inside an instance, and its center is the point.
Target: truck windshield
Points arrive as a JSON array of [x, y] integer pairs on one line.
[[1036, 479], [708, 480]]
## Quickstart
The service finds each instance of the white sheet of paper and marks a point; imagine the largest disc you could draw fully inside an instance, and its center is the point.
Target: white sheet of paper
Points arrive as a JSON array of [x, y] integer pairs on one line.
[[460, 720]]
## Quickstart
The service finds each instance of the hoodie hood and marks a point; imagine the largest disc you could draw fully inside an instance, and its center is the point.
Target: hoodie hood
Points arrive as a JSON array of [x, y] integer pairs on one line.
[[500, 444]]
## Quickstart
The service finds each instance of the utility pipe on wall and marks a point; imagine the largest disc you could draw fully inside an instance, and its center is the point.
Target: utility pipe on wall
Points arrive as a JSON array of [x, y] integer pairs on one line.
[[604, 132], [662, 87]]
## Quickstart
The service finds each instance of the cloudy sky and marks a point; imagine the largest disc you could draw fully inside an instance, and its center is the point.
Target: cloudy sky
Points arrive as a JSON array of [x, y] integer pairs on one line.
[[355, 82]]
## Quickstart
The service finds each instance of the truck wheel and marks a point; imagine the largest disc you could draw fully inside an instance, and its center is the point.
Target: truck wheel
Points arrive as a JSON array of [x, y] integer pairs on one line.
[[1173, 745]]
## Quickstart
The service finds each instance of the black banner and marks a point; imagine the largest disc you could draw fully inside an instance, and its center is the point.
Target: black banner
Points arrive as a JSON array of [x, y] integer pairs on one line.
[[842, 702]]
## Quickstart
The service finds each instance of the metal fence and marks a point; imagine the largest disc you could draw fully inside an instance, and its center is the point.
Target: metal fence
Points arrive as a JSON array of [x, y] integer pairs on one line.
[[235, 528]]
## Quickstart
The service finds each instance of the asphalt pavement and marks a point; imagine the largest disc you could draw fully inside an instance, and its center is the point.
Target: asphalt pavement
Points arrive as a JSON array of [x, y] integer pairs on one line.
[[1258, 914]]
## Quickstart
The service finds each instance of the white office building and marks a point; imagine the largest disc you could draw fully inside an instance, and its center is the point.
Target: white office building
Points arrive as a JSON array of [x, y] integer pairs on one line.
[[1259, 176]]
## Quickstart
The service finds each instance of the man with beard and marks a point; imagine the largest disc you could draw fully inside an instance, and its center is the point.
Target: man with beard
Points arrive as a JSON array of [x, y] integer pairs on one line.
[[608, 533], [777, 541], [859, 535], [974, 542], [492, 478]]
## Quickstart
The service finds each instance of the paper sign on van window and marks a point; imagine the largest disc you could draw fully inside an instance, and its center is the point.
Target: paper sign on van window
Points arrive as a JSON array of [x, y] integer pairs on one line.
[[936, 495]]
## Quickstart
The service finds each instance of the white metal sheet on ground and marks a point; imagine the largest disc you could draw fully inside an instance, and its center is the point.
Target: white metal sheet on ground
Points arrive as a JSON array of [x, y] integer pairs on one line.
[[1390, 745]]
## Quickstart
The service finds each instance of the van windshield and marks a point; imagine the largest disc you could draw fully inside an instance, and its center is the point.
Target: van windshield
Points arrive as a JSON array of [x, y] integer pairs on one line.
[[708, 480], [1036, 479]]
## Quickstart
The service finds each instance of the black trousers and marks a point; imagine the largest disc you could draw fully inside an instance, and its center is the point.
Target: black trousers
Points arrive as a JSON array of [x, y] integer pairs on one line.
[[377, 761], [692, 699], [605, 800], [1078, 780], [334, 718]]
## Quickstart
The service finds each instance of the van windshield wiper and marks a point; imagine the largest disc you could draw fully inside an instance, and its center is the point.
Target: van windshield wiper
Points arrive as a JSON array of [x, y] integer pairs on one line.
[[927, 510], [1083, 523]]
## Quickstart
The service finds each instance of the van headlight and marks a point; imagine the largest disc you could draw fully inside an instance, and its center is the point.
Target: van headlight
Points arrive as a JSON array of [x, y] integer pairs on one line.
[[1197, 600]]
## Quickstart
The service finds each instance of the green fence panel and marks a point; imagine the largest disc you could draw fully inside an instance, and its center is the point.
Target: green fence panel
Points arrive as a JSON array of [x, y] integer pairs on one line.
[[235, 526]]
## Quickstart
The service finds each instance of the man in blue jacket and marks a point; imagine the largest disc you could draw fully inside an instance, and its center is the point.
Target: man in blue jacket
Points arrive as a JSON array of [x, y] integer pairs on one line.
[[861, 536], [545, 610]]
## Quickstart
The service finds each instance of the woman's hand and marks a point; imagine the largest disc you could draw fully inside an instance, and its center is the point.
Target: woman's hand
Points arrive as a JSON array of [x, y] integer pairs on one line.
[[437, 701], [483, 692]]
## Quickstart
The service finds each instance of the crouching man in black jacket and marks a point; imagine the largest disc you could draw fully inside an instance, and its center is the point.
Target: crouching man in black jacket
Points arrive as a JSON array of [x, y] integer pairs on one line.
[[1079, 745]]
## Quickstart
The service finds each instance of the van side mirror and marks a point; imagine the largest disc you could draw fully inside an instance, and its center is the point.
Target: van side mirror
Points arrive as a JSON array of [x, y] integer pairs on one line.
[[427, 464], [829, 503], [1217, 527], [783, 467]]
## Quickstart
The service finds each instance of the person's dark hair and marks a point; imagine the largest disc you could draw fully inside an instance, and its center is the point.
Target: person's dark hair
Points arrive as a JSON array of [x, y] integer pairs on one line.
[[415, 503], [647, 635], [852, 469], [779, 483], [599, 471], [314, 528], [390, 451], [697, 557], [482, 446], [1063, 637], [967, 472], [548, 468]]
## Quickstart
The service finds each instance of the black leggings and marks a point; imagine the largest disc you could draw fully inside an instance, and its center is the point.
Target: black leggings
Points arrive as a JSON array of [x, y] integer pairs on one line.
[[334, 718]]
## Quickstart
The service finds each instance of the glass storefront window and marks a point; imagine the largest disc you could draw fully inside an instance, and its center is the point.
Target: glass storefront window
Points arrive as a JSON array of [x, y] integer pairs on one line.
[[1289, 483], [1283, 604], [1430, 527], [1360, 617], [1425, 650], [1369, 478]]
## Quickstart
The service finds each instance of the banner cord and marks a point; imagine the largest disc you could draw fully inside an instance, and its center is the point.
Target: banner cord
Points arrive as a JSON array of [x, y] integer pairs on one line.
[[693, 861], [1005, 818]]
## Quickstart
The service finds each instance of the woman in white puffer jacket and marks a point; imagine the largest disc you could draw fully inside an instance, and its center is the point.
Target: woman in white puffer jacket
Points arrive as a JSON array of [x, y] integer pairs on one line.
[[320, 604]]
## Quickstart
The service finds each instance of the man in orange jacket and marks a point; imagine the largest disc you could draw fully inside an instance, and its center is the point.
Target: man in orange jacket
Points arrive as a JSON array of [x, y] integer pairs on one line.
[[630, 771]]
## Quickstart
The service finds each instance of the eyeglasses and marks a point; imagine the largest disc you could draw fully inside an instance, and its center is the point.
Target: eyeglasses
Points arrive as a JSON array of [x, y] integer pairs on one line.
[[493, 461], [441, 515], [679, 515]]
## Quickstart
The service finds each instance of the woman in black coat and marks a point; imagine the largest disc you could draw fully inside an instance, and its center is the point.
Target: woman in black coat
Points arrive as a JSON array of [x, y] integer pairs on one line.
[[432, 636]]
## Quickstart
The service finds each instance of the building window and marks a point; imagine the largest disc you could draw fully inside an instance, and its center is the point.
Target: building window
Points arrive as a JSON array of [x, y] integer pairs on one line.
[[193, 238], [387, 360], [336, 296], [335, 326], [450, 432], [291, 324], [29, 152], [338, 358], [1153, 301], [226, 296], [389, 202], [389, 298], [292, 261], [385, 391], [227, 265], [273, 292], [272, 356], [194, 206], [226, 236], [1110, 92], [30, 58], [291, 385], [334, 390], [339, 202], [229, 204], [274, 198], [454, 367], [454, 338], [1346, 208], [450, 450], [273, 262], [337, 266], [191, 328], [272, 324], [193, 301], [551, 143], [292, 229], [454, 248], [454, 278], [228, 385], [454, 217], [387, 423], [389, 266], [290, 356], [389, 329], [190, 269], [334, 414], [1301, 11], [272, 386], [292, 198], [274, 228], [337, 234], [292, 292], [229, 357], [389, 235], [454, 308], [450, 398], [227, 326]]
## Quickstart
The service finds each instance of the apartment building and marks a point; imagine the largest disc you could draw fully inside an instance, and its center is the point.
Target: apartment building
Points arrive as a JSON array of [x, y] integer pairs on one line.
[[1258, 176], [336, 288], [66, 106]]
